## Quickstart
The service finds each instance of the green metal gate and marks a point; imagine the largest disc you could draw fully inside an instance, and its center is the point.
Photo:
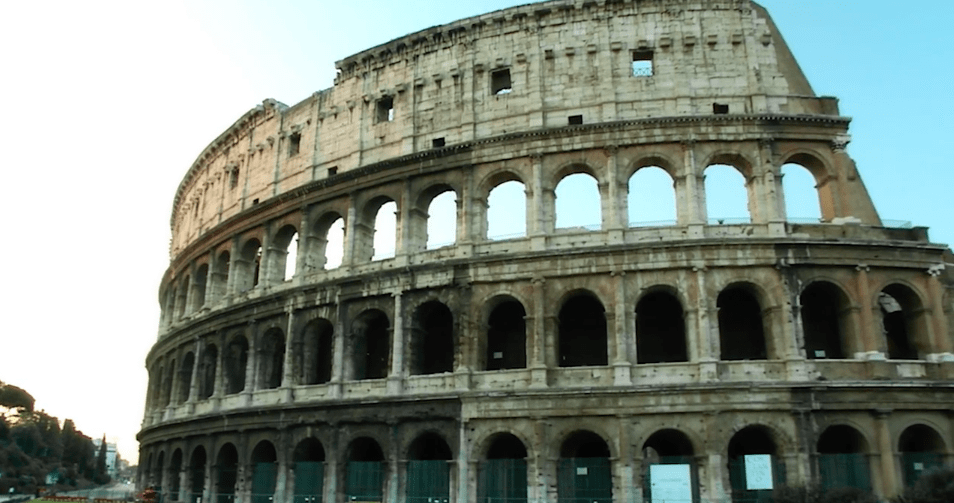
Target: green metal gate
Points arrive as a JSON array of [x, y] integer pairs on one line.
[[428, 481], [844, 470], [584, 480], [915, 464], [225, 485], [502, 481], [365, 481], [263, 482], [309, 481], [740, 491]]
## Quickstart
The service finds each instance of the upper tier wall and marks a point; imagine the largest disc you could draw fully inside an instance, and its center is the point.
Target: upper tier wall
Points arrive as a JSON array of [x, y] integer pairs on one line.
[[435, 87]]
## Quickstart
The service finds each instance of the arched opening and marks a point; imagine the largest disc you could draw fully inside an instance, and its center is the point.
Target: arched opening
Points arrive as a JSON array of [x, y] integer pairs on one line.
[[922, 449], [842, 459], [442, 220], [651, 200], [825, 310], [167, 392], [755, 468], [741, 328], [220, 276], [248, 266], [428, 469], [364, 471], [660, 329], [175, 468], [370, 349], [431, 348], [169, 305], [309, 471], [584, 471], [903, 323], [185, 377], [325, 246], [158, 401], [283, 254], [207, 368], [727, 200], [577, 203], [198, 288], [264, 472], [801, 196], [196, 475], [507, 211], [315, 356], [669, 461], [506, 336], [272, 363], [158, 471], [385, 232], [182, 298], [502, 476], [226, 474], [582, 331], [236, 360]]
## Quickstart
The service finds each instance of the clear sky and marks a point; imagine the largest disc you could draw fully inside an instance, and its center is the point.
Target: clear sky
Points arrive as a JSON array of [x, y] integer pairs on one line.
[[108, 103]]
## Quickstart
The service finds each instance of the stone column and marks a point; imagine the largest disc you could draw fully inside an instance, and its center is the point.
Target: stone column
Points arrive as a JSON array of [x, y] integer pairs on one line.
[[623, 463], [537, 339], [288, 371], [218, 388], [252, 362], [465, 218], [233, 256], [404, 239], [622, 363], [889, 475], [870, 337], [395, 384], [464, 463], [194, 381], [613, 199], [538, 211], [692, 196], [351, 230], [941, 343], [338, 364]]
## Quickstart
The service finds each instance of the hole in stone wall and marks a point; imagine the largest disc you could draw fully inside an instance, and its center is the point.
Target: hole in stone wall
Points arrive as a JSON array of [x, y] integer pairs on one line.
[[437, 142], [332, 171], [642, 65], [385, 109], [294, 144], [720, 109], [500, 82], [574, 120]]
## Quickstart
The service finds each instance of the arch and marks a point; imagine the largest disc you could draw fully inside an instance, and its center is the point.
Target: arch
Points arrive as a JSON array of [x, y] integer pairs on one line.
[[754, 465], [167, 392], [207, 368], [660, 328], [376, 233], [434, 218], [226, 473], [364, 471], [668, 455], [507, 209], [309, 471], [842, 458], [741, 324], [577, 202], [502, 474], [727, 195], [185, 377], [371, 348], [272, 358], [651, 197], [432, 342], [264, 472], [584, 472], [904, 323], [199, 288], [816, 192], [325, 248], [800, 194], [921, 449], [158, 471], [175, 468], [825, 311], [582, 336], [428, 469], [236, 360], [506, 336], [220, 276], [196, 475], [313, 359], [283, 254], [248, 264]]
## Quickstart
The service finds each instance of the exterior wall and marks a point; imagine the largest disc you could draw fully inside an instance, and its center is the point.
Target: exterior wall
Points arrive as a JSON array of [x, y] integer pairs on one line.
[[240, 367]]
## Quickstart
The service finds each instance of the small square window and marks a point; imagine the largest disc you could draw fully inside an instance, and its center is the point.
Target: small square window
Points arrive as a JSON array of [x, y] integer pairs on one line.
[[642, 63], [385, 109], [575, 119], [720, 109], [500, 82], [233, 178], [294, 144], [437, 142], [332, 171]]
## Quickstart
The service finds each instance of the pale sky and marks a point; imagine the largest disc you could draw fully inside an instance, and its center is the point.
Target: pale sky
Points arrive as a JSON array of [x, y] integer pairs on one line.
[[110, 102]]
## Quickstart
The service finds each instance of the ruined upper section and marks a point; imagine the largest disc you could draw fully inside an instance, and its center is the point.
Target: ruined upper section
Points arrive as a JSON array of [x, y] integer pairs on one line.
[[530, 68]]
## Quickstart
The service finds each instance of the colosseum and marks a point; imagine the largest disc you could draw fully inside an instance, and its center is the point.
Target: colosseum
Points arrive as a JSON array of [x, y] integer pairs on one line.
[[383, 292]]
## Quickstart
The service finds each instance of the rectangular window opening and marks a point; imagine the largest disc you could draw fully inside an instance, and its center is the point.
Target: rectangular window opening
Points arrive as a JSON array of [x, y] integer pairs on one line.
[[254, 201], [294, 144], [500, 82], [720, 109], [575, 119], [437, 142], [233, 179], [385, 111], [642, 63], [332, 171]]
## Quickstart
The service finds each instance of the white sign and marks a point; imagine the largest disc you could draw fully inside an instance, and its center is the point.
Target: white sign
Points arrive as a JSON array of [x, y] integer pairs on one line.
[[670, 483], [581, 470], [758, 472]]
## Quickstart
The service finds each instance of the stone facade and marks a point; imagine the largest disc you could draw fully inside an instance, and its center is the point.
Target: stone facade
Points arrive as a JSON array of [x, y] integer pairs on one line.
[[559, 363]]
